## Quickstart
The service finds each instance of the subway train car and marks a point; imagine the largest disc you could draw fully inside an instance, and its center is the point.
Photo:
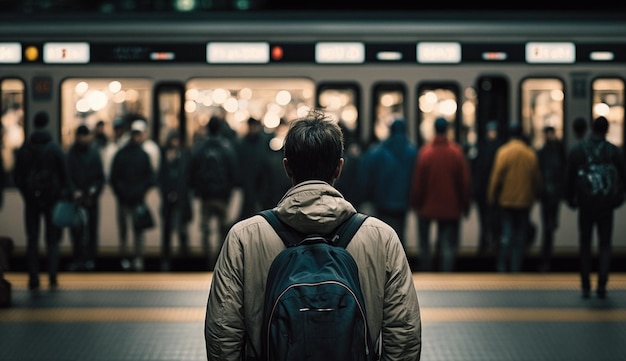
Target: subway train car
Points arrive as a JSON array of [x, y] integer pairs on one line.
[[364, 69]]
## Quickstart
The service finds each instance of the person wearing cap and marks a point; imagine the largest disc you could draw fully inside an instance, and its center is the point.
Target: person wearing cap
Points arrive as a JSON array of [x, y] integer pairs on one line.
[[87, 174], [440, 193], [132, 176], [140, 125], [514, 186], [385, 175], [481, 169], [552, 161]]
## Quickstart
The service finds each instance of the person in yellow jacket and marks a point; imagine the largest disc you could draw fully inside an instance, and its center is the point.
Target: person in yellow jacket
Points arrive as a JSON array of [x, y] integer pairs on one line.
[[514, 186]]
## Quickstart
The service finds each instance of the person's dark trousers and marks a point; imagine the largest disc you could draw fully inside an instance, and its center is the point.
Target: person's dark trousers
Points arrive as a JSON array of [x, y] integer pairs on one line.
[[447, 244], [549, 224], [513, 239], [397, 221], [487, 224], [85, 239], [603, 221], [172, 221], [52, 235], [423, 234]]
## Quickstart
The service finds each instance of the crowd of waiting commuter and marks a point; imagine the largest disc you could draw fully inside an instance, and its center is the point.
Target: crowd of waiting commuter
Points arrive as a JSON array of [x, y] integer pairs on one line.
[[505, 177]]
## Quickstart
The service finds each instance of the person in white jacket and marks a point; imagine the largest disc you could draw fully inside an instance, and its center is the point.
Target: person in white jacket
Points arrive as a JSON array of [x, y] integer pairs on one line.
[[313, 160]]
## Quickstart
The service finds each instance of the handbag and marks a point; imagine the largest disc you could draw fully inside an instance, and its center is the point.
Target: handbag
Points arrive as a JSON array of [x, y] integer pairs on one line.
[[142, 217], [67, 214]]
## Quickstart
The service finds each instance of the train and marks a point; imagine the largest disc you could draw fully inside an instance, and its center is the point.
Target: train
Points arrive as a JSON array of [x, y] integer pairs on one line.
[[364, 69]]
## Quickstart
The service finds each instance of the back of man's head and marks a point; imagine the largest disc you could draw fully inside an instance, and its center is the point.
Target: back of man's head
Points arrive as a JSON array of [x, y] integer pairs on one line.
[[313, 147], [41, 120], [600, 125], [441, 125]]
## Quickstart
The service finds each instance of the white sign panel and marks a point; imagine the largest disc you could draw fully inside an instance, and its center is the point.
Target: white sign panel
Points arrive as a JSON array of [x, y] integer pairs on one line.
[[234, 53], [550, 53], [66, 53], [441, 53], [339, 53], [10, 53]]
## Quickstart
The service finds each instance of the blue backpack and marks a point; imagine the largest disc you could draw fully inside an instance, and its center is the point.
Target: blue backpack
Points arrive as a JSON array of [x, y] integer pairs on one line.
[[314, 307]]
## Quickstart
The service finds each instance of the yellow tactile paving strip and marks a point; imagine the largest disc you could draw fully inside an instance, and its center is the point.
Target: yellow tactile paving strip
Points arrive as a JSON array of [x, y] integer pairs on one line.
[[423, 281]]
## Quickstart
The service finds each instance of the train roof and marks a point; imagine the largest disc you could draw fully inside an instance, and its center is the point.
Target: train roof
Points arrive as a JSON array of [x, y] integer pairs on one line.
[[533, 23]]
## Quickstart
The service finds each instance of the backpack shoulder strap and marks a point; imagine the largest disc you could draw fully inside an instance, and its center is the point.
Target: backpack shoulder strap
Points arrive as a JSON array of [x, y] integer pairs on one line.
[[288, 235], [348, 229]]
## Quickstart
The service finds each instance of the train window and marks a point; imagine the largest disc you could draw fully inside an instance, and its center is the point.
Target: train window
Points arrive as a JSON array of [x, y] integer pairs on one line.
[[436, 100], [388, 105], [168, 111], [12, 130], [342, 102], [542, 105], [89, 100], [271, 100], [608, 101]]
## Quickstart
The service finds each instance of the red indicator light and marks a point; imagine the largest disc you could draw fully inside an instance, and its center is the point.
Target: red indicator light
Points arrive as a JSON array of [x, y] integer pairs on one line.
[[277, 52]]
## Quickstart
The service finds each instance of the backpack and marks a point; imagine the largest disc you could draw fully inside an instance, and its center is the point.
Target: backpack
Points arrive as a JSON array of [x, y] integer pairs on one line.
[[598, 181], [40, 180], [314, 307], [212, 177]]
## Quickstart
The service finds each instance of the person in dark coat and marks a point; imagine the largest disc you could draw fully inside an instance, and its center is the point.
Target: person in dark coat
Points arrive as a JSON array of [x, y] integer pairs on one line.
[[594, 214], [41, 152], [213, 174], [482, 164], [175, 201], [87, 174], [385, 177], [552, 161], [131, 178], [252, 153]]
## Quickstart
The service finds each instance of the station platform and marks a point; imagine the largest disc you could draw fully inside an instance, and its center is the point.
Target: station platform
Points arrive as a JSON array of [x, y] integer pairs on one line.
[[158, 316]]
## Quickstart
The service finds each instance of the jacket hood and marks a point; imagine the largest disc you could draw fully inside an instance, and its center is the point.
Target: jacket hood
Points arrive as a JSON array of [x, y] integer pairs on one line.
[[314, 207]]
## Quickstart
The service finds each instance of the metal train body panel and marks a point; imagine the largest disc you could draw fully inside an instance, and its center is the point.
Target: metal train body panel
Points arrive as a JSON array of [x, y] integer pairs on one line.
[[166, 61]]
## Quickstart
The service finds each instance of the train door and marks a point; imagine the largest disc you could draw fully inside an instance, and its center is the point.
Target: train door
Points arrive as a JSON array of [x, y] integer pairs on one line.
[[168, 112], [608, 101], [341, 101], [12, 132], [437, 100], [542, 102], [90, 100], [387, 105], [492, 104]]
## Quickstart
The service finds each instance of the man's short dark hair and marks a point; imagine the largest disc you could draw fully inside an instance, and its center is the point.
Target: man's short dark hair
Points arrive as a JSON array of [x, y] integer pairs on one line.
[[600, 125], [313, 147], [41, 120]]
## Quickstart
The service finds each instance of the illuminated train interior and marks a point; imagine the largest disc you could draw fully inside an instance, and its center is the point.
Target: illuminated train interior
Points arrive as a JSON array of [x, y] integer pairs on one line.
[[365, 74]]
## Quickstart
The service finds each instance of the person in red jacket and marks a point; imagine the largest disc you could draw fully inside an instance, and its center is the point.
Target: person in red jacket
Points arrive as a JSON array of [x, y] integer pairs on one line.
[[440, 192]]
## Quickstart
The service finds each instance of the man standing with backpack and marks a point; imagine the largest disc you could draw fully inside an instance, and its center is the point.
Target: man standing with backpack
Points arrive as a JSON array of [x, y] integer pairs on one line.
[[41, 176], [212, 177], [235, 318], [602, 163]]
